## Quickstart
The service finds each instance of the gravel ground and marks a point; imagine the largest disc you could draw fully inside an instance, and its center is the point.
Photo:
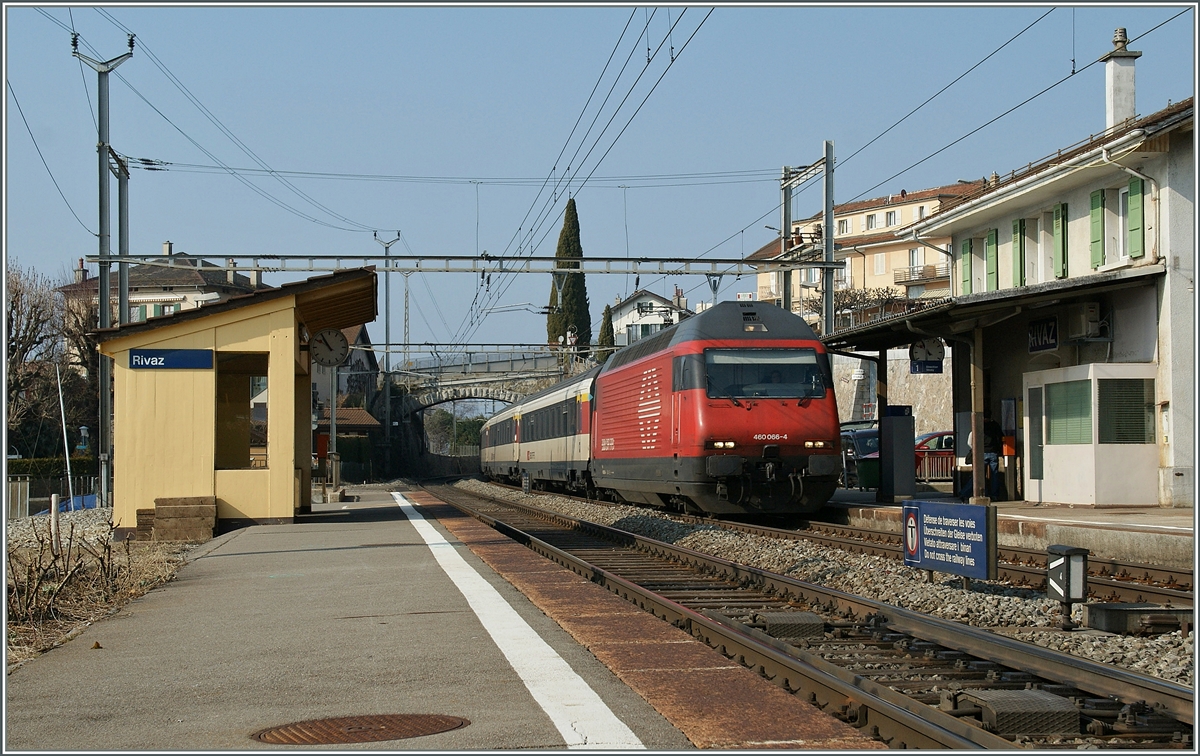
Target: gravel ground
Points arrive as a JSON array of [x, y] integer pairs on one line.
[[1019, 612], [90, 524]]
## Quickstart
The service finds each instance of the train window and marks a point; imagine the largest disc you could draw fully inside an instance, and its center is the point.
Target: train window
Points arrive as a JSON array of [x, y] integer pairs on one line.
[[783, 373], [687, 372]]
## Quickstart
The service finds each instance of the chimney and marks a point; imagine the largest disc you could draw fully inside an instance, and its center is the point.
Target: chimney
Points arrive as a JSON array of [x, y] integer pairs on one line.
[[168, 248], [81, 273], [255, 279], [1119, 104], [230, 266]]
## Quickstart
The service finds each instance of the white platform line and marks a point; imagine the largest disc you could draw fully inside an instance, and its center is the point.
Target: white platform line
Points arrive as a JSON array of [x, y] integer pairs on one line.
[[581, 717]]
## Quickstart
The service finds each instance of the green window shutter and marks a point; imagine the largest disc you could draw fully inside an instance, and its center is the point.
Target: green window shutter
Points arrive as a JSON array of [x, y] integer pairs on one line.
[[1060, 240], [141, 313], [1097, 228], [1137, 243], [965, 264], [1018, 252], [157, 310], [990, 260]]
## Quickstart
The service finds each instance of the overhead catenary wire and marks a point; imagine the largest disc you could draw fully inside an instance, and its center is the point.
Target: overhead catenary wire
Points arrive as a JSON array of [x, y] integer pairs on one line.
[[623, 129], [43, 159], [208, 114], [1007, 112], [471, 322]]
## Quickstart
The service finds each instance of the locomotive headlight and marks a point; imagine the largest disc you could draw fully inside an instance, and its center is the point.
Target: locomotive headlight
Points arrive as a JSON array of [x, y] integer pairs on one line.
[[818, 445], [720, 444]]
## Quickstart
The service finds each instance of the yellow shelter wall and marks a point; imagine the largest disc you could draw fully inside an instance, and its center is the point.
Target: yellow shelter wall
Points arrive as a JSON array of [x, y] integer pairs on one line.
[[164, 420]]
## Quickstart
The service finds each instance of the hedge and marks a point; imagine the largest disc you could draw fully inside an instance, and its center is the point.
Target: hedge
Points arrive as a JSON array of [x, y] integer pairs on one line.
[[52, 467]]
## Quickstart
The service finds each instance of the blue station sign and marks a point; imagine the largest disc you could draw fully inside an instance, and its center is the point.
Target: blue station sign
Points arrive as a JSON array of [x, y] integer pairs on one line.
[[956, 538], [916, 367], [170, 359]]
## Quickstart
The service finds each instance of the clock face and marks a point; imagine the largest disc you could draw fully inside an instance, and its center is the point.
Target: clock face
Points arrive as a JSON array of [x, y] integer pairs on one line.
[[329, 347], [930, 350]]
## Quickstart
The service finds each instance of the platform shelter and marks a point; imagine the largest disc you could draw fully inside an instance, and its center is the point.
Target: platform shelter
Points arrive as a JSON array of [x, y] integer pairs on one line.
[[189, 416]]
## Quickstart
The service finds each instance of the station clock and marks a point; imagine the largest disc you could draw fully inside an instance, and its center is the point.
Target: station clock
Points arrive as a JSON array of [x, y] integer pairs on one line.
[[329, 347], [930, 350]]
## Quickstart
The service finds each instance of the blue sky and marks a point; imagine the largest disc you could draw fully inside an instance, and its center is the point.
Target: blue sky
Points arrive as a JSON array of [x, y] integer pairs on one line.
[[491, 95]]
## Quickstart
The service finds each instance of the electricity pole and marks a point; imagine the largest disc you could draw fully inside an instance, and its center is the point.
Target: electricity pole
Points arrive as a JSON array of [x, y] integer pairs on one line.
[[827, 237], [387, 352], [104, 432]]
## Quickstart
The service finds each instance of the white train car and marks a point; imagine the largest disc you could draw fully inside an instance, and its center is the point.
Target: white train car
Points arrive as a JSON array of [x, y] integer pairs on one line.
[[546, 436]]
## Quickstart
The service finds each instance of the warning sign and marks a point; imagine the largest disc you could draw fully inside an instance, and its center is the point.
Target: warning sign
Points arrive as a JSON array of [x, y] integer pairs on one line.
[[956, 538]]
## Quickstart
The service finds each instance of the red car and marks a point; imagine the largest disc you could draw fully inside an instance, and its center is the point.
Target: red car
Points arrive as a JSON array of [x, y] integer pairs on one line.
[[935, 456]]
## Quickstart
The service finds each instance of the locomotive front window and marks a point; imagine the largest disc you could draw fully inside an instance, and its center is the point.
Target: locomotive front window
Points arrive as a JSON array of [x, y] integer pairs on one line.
[[783, 373]]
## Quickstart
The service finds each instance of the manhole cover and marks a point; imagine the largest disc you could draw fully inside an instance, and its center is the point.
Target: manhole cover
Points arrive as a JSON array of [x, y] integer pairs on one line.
[[359, 729]]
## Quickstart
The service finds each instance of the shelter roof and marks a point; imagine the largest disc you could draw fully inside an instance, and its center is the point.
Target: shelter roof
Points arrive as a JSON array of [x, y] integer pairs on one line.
[[349, 419], [954, 316], [337, 300]]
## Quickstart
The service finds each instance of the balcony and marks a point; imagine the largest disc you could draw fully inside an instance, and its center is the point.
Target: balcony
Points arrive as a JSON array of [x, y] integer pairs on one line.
[[919, 274]]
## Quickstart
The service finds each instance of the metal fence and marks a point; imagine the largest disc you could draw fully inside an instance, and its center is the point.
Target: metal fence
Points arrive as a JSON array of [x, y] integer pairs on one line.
[[935, 468], [30, 495]]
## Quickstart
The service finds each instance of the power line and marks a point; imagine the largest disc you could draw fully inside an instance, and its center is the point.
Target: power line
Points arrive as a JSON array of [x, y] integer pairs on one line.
[[226, 131], [952, 83], [665, 179], [508, 283], [1007, 112], [43, 157]]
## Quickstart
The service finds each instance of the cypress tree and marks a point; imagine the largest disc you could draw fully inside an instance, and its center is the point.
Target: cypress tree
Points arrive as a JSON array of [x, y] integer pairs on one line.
[[607, 339], [574, 305]]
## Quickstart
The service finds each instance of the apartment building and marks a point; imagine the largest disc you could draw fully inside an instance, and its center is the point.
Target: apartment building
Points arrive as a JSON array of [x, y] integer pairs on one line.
[[874, 256]]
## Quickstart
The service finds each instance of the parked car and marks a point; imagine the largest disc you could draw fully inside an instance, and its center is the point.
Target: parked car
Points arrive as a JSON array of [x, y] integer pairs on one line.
[[935, 456], [857, 445]]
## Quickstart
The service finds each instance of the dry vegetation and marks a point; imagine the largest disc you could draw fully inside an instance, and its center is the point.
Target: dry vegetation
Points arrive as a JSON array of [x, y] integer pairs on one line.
[[53, 593]]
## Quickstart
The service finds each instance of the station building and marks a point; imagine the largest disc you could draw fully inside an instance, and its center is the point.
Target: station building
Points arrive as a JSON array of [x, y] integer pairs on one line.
[[189, 416], [1072, 319]]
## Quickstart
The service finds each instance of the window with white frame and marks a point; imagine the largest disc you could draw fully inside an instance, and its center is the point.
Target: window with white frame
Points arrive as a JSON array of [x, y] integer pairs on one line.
[[871, 221], [916, 257], [843, 227], [880, 261], [890, 218], [920, 212]]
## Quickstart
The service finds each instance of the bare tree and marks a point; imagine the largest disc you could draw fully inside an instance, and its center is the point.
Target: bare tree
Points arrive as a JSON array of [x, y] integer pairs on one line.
[[33, 346]]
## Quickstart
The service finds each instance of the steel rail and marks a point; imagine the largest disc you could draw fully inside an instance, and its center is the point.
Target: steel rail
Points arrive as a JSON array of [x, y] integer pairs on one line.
[[1128, 687], [892, 716], [1023, 567]]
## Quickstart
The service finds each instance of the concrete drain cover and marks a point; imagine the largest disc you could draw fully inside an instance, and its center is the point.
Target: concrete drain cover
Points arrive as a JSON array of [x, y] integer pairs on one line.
[[359, 729]]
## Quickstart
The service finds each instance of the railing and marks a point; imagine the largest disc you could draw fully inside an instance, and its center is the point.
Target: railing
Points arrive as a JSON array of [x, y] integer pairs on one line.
[[921, 273], [935, 468], [28, 495]]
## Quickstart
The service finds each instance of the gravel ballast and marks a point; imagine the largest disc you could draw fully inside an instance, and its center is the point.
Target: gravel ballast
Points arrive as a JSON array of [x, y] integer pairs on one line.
[[1017, 612]]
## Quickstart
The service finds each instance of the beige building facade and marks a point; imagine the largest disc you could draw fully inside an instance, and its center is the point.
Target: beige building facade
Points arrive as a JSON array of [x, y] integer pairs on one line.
[[184, 422]]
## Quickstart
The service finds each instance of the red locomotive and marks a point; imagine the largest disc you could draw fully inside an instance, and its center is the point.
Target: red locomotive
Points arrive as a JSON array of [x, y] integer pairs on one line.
[[731, 411]]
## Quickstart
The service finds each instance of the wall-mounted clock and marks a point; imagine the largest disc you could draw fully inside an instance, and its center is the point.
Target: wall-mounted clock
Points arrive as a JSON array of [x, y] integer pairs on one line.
[[928, 350], [329, 347]]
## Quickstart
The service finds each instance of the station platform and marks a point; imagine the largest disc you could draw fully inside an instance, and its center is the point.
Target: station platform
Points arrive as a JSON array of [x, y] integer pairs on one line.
[[394, 606], [1147, 535]]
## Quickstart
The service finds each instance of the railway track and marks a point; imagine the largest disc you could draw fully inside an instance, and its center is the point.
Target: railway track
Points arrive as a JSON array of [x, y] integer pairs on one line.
[[1108, 579], [911, 680]]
